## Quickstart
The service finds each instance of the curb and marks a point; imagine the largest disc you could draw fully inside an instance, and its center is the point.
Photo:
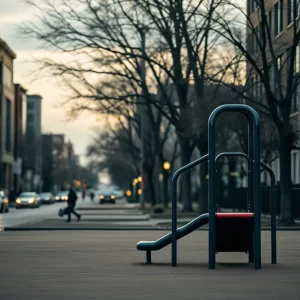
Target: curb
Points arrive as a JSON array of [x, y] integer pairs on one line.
[[119, 229]]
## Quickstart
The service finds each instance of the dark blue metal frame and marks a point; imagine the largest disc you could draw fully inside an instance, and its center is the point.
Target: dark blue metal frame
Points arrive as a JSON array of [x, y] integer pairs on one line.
[[253, 195], [254, 143], [174, 203], [204, 159], [273, 200]]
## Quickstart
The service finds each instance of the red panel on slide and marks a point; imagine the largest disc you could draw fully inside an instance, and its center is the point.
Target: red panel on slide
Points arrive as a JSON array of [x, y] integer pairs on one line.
[[234, 215]]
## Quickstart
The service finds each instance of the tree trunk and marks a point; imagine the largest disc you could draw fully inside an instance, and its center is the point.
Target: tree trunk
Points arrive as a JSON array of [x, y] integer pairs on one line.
[[151, 191], [185, 193], [286, 215], [166, 189]]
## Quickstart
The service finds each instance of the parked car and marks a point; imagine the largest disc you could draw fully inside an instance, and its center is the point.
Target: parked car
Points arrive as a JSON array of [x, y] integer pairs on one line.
[[62, 196], [29, 199], [46, 198], [3, 203], [107, 197]]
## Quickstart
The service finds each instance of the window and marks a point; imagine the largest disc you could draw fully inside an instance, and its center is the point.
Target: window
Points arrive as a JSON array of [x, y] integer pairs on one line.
[[8, 126], [252, 5], [256, 39], [290, 11], [7, 76], [297, 60], [30, 105], [30, 118], [270, 21], [295, 99], [279, 63], [278, 18], [281, 16]]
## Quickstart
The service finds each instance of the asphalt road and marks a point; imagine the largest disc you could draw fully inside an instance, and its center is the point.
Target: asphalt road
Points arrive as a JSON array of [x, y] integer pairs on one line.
[[32, 216], [28, 215], [106, 265]]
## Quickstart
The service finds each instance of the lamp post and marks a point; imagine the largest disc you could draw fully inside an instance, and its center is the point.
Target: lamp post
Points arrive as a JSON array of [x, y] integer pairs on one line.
[[166, 173]]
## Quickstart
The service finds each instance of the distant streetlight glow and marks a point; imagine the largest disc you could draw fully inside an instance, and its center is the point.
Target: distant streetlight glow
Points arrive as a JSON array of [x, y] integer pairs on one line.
[[139, 179], [140, 192], [167, 165], [128, 193]]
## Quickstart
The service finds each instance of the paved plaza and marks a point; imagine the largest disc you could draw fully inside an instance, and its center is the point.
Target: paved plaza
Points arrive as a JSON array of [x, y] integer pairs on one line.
[[106, 265]]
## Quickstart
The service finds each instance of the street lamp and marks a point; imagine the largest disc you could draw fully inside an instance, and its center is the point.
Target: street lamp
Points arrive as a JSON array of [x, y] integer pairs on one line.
[[165, 179], [166, 165]]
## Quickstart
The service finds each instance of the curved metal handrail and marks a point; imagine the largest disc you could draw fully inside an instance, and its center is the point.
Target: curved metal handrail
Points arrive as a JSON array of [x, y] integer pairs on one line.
[[174, 203]]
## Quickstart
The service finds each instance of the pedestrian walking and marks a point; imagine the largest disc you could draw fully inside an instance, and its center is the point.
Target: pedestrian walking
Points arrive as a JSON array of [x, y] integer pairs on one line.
[[72, 198], [83, 194], [92, 195]]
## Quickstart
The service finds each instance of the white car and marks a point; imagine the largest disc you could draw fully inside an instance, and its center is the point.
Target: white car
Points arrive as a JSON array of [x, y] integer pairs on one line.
[[30, 199], [3, 203]]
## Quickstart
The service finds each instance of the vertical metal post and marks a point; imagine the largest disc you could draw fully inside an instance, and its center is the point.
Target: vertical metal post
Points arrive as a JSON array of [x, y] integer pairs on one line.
[[174, 203], [257, 207], [273, 219], [211, 193], [254, 163], [250, 188], [148, 257], [250, 170], [174, 219]]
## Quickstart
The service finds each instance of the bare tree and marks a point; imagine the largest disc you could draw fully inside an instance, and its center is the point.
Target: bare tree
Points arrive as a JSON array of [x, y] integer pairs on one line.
[[106, 38], [270, 72]]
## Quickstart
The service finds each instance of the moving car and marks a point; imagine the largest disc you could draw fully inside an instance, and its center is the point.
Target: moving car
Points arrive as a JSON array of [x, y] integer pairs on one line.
[[46, 198], [29, 199], [62, 196], [107, 197], [3, 203]]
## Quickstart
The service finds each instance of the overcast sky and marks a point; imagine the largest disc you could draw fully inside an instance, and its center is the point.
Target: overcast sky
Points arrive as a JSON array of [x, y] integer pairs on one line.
[[12, 14]]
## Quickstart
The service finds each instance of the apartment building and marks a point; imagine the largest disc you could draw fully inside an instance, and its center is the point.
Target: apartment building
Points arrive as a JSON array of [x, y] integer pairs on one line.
[[20, 131], [7, 97], [280, 16], [33, 144]]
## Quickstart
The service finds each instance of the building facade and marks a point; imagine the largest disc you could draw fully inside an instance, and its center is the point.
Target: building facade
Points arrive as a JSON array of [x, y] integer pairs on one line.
[[280, 17], [33, 180], [20, 133], [7, 97]]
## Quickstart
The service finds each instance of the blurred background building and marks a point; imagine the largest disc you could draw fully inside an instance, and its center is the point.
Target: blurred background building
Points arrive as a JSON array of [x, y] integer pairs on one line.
[[33, 144], [7, 57]]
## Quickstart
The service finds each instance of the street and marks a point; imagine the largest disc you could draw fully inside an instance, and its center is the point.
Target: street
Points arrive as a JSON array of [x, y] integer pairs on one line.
[[28, 215], [93, 215]]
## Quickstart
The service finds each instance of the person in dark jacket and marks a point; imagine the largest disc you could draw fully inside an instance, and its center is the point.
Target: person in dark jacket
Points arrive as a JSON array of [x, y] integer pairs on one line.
[[72, 198]]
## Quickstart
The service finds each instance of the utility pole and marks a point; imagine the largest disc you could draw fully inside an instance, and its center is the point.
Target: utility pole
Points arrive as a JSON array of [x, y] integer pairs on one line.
[[143, 116]]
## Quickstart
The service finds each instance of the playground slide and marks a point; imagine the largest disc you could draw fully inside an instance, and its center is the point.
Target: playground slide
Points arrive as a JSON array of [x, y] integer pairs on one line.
[[167, 239]]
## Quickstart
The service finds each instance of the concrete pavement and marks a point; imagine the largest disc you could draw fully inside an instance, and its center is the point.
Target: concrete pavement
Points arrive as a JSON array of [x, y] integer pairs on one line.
[[106, 265]]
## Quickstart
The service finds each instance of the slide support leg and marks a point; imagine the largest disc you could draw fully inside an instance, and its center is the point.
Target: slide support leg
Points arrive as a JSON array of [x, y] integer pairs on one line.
[[148, 257]]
